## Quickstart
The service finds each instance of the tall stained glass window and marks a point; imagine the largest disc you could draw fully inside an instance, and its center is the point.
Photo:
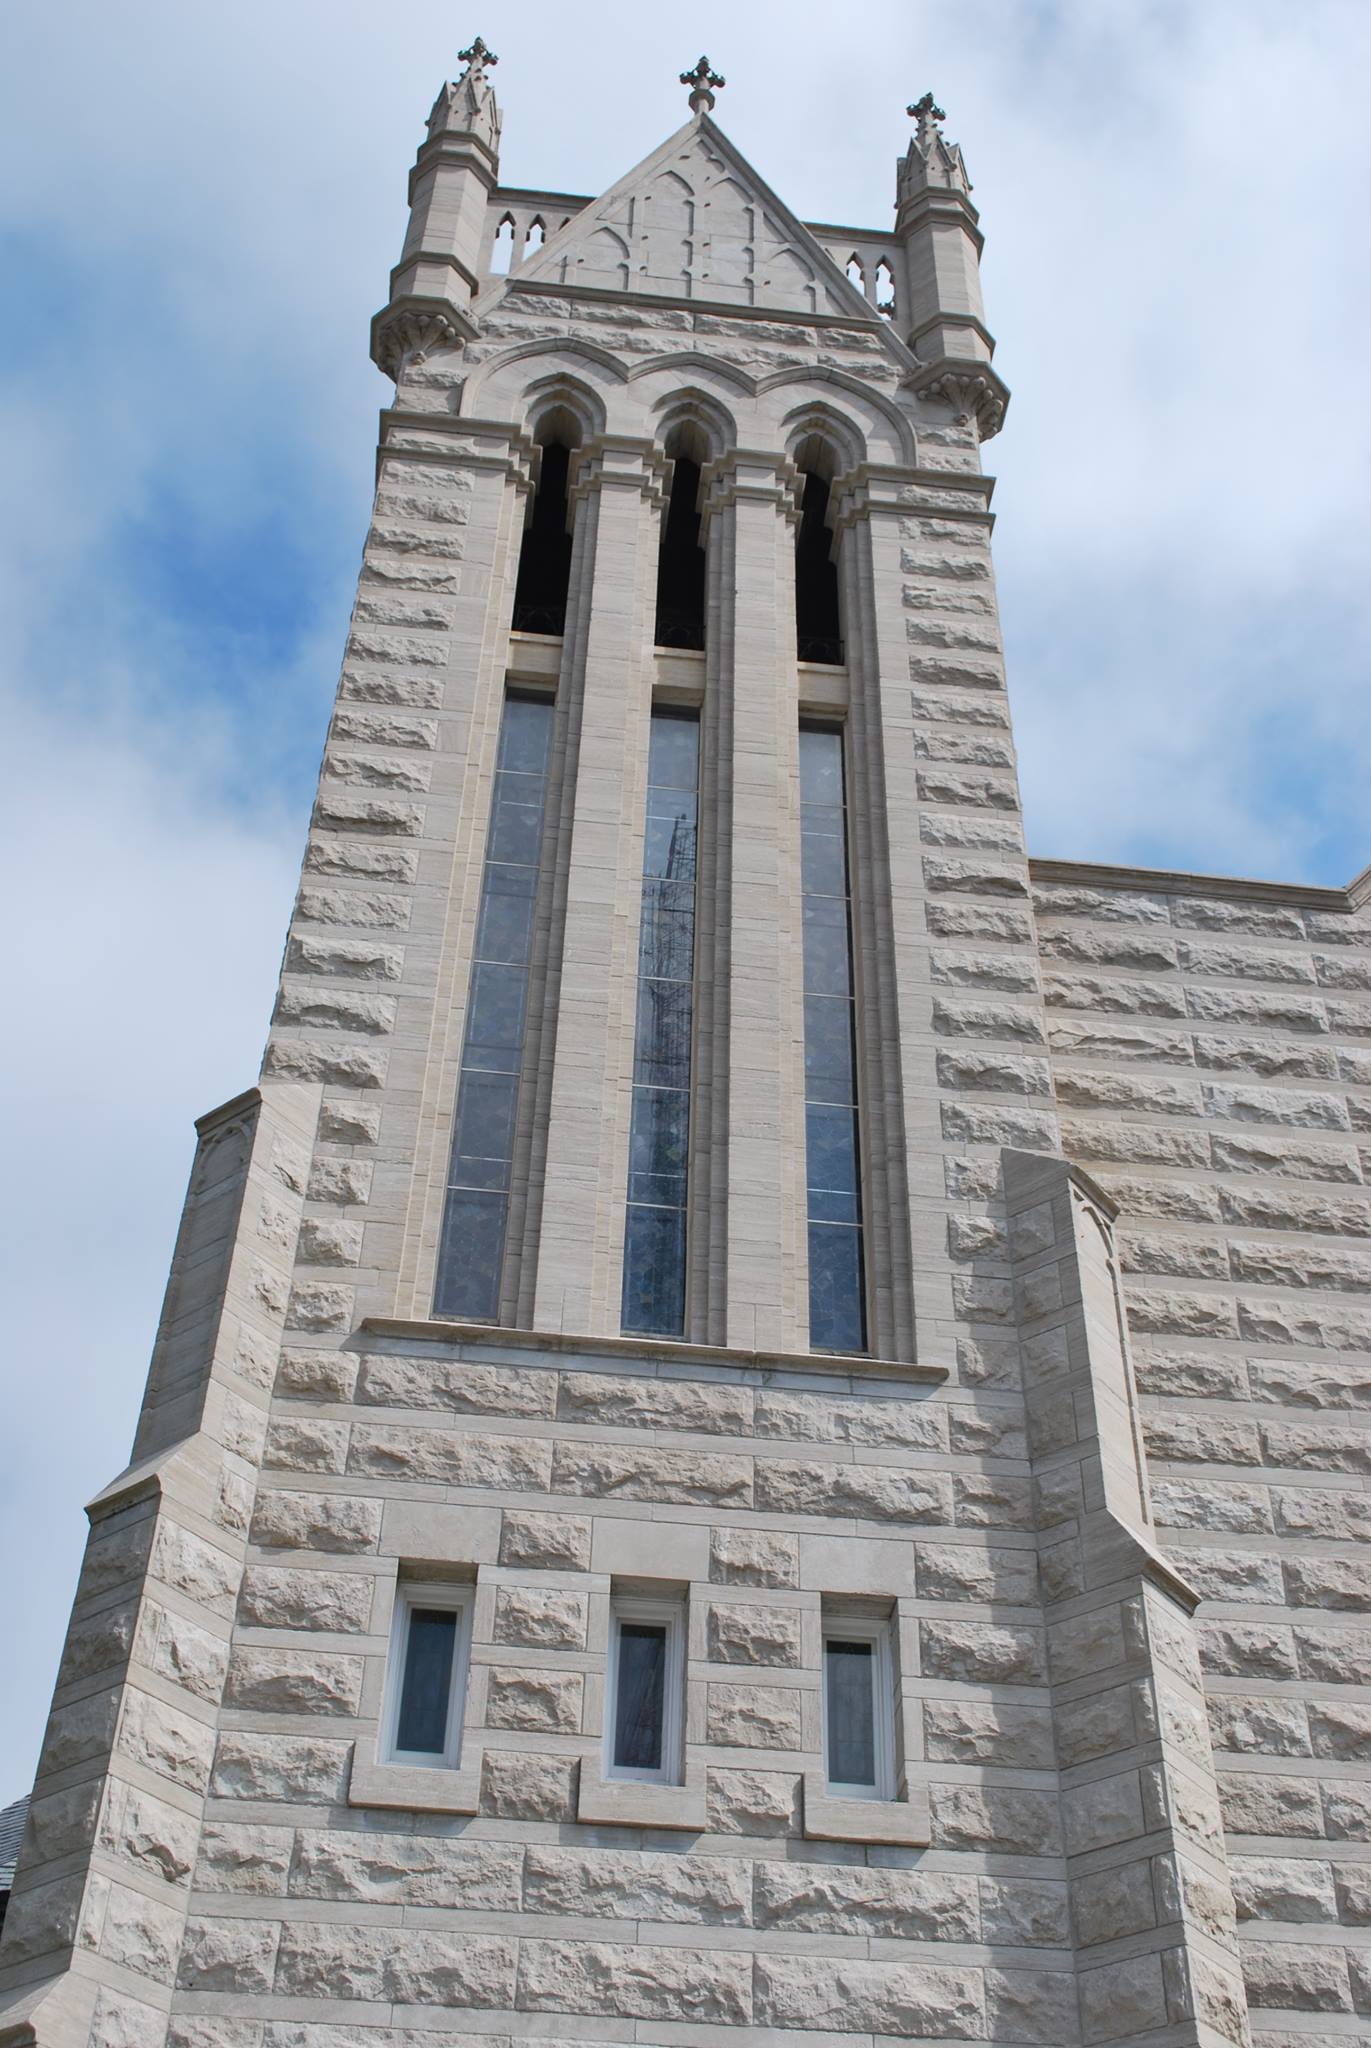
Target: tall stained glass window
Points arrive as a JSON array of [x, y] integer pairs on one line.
[[471, 1254], [659, 1133], [837, 1293]]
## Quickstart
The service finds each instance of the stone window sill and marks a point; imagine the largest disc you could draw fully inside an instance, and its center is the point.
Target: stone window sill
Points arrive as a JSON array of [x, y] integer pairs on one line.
[[624, 1803], [881, 1823], [414, 1788]]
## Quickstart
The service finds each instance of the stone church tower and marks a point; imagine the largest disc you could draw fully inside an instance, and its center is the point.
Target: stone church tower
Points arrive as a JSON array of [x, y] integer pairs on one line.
[[647, 1524]]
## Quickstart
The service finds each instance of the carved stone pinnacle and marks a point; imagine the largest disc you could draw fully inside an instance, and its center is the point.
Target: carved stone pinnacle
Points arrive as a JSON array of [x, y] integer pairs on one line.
[[700, 80], [477, 57]]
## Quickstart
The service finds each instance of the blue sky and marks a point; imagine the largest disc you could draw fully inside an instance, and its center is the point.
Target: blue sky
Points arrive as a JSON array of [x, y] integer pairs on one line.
[[198, 211]]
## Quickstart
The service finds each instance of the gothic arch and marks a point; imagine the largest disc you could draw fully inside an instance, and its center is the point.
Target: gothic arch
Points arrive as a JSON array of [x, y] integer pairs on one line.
[[883, 414], [820, 439], [506, 397], [692, 359], [692, 412]]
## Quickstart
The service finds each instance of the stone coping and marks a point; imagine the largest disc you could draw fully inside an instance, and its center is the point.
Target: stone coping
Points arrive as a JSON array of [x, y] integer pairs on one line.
[[1166, 882], [666, 1350]]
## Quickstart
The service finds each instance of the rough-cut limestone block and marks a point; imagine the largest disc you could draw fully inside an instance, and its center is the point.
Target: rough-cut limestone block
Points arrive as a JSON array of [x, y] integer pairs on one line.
[[1148, 952], [628, 1472], [872, 1493], [555, 1543], [306, 1446], [977, 921], [1301, 1265], [363, 908], [1101, 1088], [996, 1074], [343, 1181], [753, 1717], [986, 1360], [188, 1564], [165, 1740], [762, 1803], [349, 1123], [316, 1521], [1347, 1811], [379, 771], [974, 877], [404, 1966], [180, 1652], [244, 1859], [851, 1996], [1150, 1044], [854, 1419], [1256, 1805], [961, 969], [753, 1635], [900, 1905], [1124, 1999], [627, 1884], [1335, 1655], [375, 686], [995, 833], [1024, 1912], [1306, 1327], [315, 1009], [1316, 1447], [345, 811], [992, 1500], [703, 1987], [1185, 1258], [540, 1620], [967, 1572], [1202, 1440], [516, 1785], [1334, 1582], [982, 1653], [1295, 1976], [1135, 1143], [969, 1731], [1108, 995], [397, 650], [948, 786], [1296, 1108], [335, 1065], [407, 542], [1181, 1315], [615, 1400], [347, 959], [1100, 1814], [753, 1557], [98, 1643], [228, 1955], [980, 1297], [1170, 1201], [1286, 1158], [1323, 1512], [435, 578], [452, 1458], [337, 1602], [1354, 1901], [1100, 906], [354, 857], [998, 1822], [1276, 1009], [386, 1381], [293, 1682], [383, 729], [299, 1769], [1258, 1723], [1266, 1059], [120, 2021], [975, 1237], [316, 1306], [1245, 1649], [534, 1702], [1248, 1576], [187, 2031], [1283, 1888], [1291, 1209], [407, 1870]]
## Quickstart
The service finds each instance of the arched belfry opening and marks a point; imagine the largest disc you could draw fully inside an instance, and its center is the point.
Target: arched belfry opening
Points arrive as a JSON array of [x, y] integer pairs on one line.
[[681, 557], [818, 618], [540, 593]]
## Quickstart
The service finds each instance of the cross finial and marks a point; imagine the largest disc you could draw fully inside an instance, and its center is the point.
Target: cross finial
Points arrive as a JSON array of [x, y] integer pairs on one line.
[[700, 80], [926, 112], [477, 58]]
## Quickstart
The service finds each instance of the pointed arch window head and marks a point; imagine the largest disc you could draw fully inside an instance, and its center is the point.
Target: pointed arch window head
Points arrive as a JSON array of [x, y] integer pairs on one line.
[[502, 248], [855, 274], [680, 558], [540, 593], [537, 235], [885, 290], [818, 620]]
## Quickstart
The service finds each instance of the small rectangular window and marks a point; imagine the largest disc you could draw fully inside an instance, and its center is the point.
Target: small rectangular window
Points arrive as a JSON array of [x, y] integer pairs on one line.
[[430, 1648], [643, 1704], [858, 1707]]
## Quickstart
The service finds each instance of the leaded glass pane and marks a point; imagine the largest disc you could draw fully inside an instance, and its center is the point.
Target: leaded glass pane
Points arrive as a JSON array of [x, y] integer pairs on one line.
[[850, 1703], [654, 1270], [426, 1687], [640, 1696]]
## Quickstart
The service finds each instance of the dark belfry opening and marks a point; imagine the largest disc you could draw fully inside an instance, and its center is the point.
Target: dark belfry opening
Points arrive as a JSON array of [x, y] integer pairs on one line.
[[681, 563], [545, 557], [818, 627]]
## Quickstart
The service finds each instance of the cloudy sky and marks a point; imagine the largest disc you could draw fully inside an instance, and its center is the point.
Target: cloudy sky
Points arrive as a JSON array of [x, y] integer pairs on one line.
[[199, 208]]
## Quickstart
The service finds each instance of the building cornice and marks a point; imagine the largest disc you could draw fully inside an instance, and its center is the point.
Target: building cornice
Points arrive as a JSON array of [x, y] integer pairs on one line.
[[1231, 888]]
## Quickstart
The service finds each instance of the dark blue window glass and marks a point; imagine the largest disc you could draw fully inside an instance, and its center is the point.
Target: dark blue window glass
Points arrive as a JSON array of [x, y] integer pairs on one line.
[[472, 1249], [837, 1286], [850, 1703], [659, 1135], [426, 1688], [640, 1704]]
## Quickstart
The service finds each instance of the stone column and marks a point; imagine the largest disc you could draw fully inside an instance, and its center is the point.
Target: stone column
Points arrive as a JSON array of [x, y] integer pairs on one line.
[[1152, 1909], [755, 500], [585, 1174]]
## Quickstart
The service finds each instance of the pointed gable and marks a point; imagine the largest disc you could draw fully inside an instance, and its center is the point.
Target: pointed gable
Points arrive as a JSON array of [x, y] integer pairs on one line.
[[694, 221]]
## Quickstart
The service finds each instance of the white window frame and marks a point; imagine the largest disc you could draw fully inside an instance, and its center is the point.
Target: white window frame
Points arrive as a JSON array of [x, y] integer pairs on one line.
[[460, 1599], [670, 1613], [877, 1630]]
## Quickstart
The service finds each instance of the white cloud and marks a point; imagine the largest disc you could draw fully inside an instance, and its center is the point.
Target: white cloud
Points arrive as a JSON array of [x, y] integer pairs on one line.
[[204, 205]]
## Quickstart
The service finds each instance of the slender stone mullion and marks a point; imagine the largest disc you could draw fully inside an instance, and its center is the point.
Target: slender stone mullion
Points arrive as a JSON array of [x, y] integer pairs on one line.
[[707, 1239], [581, 1227]]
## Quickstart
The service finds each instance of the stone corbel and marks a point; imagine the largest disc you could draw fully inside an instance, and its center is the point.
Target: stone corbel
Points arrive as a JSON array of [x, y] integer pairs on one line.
[[973, 394], [403, 335]]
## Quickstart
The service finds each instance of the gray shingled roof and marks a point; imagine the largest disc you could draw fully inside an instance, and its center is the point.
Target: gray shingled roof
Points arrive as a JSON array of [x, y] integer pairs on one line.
[[12, 1820]]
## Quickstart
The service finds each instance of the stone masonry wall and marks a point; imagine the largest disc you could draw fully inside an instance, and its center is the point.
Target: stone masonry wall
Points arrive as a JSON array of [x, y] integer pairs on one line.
[[1211, 1057]]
